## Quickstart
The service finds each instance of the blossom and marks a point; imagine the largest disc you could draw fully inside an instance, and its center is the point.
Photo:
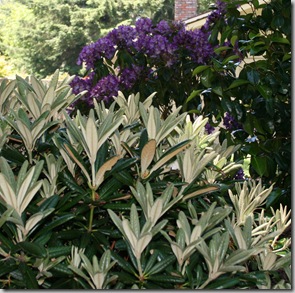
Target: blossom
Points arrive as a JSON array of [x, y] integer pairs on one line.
[[151, 50], [104, 47], [124, 37], [215, 15], [106, 88], [209, 128], [195, 43], [240, 175], [230, 123], [143, 25], [129, 76]]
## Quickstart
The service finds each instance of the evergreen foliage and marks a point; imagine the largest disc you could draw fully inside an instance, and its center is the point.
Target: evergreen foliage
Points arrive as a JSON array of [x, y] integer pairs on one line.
[[125, 199]]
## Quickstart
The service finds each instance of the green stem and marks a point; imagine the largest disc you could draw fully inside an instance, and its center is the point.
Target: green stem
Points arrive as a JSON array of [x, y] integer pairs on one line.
[[91, 211]]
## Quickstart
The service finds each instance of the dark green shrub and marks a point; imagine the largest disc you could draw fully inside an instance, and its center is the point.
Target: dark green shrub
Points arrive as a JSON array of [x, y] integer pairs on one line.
[[122, 199]]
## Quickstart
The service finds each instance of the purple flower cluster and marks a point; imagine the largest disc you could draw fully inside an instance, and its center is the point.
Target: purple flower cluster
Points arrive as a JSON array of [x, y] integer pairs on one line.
[[240, 175], [104, 47], [106, 88], [230, 122], [129, 76], [209, 128], [215, 15], [141, 49]]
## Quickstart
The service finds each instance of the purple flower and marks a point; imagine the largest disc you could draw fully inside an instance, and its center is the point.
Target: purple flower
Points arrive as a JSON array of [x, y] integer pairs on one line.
[[209, 128], [195, 43], [143, 25], [105, 89], [104, 47], [80, 84], [215, 15], [230, 123], [152, 49], [240, 175], [124, 36], [129, 76]]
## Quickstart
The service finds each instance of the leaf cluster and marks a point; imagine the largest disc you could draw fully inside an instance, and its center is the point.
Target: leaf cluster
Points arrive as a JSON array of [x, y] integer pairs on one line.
[[120, 198], [250, 77]]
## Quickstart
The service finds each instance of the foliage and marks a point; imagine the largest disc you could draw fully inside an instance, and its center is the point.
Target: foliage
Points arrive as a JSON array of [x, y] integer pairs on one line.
[[123, 198], [236, 70], [250, 78], [39, 36]]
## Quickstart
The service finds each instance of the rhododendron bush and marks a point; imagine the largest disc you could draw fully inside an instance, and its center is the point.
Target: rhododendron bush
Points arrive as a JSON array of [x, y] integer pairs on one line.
[[235, 70], [122, 198]]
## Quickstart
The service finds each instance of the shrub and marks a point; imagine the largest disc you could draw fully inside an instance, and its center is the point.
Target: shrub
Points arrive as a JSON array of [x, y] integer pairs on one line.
[[250, 78], [144, 58], [123, 198], [235, 70]]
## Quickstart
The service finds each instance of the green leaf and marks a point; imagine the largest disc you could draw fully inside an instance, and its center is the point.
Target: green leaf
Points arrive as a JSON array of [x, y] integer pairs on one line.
[[118, 206], [56, 222], [238, 83], [62, 270], [5, 216], [134, 221], [193, 95], [50, 202], [238, 257], [280, 40], [200, 69], [287, 56], [221, 49], [148, 264], [217, 90], [265, 91], [33, 249], [126, 266], [230, 58], [6, 170], [223, 283], [167, 279], [29, 277], [259, 164], [160, 266], [43, 239], [253, 76], [233, 40], [54, 252]]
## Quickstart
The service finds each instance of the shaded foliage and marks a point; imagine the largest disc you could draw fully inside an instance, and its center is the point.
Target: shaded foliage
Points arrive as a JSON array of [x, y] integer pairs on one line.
[[252, 76]]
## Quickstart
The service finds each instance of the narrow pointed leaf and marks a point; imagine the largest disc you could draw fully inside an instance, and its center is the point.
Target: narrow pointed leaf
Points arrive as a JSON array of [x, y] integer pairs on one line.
[[168, 155], [107, 166], [147, 155], [160, 266]]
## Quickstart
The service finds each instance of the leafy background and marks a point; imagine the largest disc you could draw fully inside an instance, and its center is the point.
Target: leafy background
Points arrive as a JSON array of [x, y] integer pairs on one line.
[[130, 194]]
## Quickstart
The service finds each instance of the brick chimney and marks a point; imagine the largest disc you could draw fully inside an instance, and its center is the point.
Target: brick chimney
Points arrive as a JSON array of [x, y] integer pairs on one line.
[[185, 9]]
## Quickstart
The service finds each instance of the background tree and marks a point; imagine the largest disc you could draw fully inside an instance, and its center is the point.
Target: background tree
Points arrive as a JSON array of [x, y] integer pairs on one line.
[[41, 36]]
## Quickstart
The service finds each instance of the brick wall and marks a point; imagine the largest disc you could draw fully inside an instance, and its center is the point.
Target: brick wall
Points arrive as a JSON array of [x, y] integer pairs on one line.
[[185, 9]]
